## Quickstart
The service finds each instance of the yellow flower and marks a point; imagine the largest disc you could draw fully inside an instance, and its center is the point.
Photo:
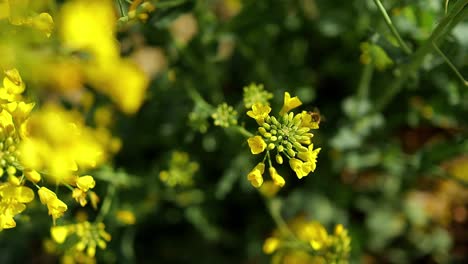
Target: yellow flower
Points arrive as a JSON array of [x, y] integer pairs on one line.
[[269, 189], [289, 103], [79, 196], [277, 179], [60, 233], [301, 168], [310, 120], [59, 142], [315, 234], [90, 25], [310, 156], [43, 22], [255, 176], [271, 245], [127, 217], [13, 199], [13, 82], [55, 206], [259, 112], [257, 144], [85, 183], [32, 175], [127, 90]]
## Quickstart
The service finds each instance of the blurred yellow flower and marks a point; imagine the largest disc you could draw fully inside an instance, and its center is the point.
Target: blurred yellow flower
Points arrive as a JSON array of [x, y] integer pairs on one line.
[[59, 143], [55, 206]]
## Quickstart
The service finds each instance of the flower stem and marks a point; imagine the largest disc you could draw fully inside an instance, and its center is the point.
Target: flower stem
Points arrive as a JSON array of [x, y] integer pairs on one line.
[[364, 83], [407, 70], [392, 28], [274, 207], [243, 131], [106, 205], [450, 64]]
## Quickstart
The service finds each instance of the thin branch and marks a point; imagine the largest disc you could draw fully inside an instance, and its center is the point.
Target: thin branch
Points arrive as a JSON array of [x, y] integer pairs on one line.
[[450, 64], [392, 28]]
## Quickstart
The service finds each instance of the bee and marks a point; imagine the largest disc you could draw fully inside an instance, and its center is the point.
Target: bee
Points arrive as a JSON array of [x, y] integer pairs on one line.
[[316, 116]]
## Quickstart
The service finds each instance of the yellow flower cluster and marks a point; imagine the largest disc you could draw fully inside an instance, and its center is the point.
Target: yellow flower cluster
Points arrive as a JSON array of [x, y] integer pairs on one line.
[[60, 144], [86, 238], [309, 243], [289, 136], [83, 34], [53, 141]]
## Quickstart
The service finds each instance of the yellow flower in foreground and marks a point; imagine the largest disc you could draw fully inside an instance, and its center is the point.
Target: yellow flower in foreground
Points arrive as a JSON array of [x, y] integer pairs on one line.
[[301, 168], [55, 206], [310, 156], [257, 144], [90, 25], [277, 179], [255, 176], [289, 103], [259, 112], [59, 142]]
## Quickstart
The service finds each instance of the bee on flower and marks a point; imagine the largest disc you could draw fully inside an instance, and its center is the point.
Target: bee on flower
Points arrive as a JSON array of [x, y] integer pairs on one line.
[[287, 137]]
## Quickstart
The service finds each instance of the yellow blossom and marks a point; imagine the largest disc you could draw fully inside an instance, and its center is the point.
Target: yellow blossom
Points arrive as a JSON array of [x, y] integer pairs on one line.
[[59, 233], [259, 112], [79, 196], [289, 103], [13, 199], [85, 183], [301, 168], [257, 144], [32, 175], [59, 143], [55, 206], [310, 120], [255, 176], [123, 81], [277, 179], [271, 245], [90, 25], [125, 216], [310, 156]]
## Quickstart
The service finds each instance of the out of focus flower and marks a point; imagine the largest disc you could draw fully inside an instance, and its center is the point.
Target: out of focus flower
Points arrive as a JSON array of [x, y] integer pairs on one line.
[[59, 143], [184, 28], [180, 172]]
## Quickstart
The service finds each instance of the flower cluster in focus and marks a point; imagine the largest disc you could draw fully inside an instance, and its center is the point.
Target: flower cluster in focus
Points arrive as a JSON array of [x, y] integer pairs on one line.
[[286, 136]]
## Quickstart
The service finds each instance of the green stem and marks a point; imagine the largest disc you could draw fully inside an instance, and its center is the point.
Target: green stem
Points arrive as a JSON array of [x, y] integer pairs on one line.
[[121, 9], [106, 205], [243, 131], [274, 208], [392, 28], [364, 83], [450, 64], [443, 28]]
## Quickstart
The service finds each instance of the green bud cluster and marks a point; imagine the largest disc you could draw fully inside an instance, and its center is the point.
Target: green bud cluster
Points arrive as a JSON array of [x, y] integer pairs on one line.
[[286, 135], [256, 94], [225, 116], [8, 147]]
